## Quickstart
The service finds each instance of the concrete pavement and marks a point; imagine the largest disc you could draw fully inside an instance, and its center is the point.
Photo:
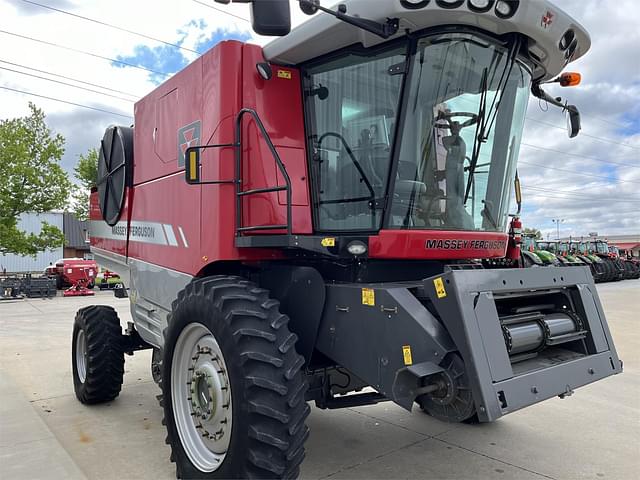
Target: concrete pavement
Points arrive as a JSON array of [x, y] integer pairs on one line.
[[595, 434]]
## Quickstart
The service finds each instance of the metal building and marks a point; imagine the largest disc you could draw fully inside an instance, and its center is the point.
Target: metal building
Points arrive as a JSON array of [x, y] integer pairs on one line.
[[31, 223], [76, 237]]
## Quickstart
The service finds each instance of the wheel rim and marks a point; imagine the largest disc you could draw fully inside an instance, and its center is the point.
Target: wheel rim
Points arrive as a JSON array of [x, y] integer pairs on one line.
[[81, 355], [201, 397]]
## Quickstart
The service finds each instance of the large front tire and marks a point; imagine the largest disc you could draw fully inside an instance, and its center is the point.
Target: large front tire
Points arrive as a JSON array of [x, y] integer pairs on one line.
[[233, 391], [97, 355]]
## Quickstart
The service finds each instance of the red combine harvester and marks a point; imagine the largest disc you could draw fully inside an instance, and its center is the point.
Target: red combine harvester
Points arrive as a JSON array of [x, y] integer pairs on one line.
[[328, 213]]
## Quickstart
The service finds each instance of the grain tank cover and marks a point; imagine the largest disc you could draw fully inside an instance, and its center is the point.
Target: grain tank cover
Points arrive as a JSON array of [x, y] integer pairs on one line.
[[556, 38]]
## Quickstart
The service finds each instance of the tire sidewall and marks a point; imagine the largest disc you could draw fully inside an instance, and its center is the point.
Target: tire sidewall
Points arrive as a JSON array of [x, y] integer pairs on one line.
[[203, 312], [78, 325]]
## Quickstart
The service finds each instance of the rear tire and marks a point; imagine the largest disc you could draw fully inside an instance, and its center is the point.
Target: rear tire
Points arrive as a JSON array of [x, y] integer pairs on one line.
[[97, 355], [232, 325]]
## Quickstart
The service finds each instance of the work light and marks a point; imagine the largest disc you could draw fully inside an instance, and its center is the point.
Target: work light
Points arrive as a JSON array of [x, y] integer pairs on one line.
[[357, 248], [480, 5], [506, 8]]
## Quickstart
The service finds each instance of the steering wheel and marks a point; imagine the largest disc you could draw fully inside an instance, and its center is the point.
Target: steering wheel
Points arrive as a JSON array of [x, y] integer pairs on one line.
[[449, 118]]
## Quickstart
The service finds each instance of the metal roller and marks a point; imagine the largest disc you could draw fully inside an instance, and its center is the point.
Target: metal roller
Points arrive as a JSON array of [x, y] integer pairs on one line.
[[560, 324], [531, 333], [525, 337]]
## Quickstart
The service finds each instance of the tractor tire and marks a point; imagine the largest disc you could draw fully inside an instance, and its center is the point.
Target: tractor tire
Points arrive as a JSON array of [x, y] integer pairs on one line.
[[233, 391], [97, 355], [91, 285], [609, 270]]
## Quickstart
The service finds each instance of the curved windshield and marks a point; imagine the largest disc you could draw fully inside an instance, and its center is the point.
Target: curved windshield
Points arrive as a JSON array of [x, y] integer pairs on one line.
[[461, 136]]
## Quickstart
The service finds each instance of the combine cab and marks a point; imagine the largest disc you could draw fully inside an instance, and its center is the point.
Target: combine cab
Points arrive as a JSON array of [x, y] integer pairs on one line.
[[311, 218]]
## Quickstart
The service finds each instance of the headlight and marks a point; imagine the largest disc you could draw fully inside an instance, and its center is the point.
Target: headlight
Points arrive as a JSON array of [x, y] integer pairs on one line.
[[507, 8], [449, 3], [357, 248], [480, 6]]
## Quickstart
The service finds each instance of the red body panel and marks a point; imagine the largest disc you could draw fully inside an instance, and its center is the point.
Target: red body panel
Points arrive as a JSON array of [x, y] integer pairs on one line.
[[437, 245], [278, 103], [115, 244], [193, 226]]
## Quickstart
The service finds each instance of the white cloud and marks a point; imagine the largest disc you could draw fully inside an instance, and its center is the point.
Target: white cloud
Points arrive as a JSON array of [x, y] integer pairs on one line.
[[609, 97]]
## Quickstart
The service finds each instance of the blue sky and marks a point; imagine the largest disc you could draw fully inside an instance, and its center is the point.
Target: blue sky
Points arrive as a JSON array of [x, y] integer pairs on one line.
[[168, 59]]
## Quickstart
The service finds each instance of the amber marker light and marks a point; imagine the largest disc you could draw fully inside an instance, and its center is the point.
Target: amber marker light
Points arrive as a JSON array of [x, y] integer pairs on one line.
[[569, 79]]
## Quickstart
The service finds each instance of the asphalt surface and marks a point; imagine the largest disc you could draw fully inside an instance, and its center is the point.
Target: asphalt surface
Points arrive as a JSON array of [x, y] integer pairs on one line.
[[46, 433]]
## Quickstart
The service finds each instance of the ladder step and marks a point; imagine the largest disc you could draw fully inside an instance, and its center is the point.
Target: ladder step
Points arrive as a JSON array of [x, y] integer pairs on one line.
[[261, 190]]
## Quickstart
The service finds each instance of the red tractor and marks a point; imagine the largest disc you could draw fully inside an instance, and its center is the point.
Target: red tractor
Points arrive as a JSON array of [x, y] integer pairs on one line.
[[297, 222]]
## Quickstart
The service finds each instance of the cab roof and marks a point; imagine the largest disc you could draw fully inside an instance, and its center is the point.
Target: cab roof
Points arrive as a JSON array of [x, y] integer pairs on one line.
[[556, 39]]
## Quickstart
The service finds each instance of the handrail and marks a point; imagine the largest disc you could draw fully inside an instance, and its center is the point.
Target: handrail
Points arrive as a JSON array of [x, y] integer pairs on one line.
[[240, 193]]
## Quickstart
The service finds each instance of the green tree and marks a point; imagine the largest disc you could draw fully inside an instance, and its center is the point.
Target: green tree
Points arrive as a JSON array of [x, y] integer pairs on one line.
[[537, 234], [31, 180], [86, 172]]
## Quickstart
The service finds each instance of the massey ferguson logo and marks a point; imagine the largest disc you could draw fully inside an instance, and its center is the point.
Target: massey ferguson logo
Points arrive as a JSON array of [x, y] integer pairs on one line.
[[547, 20], [188, 136], [465, 244]]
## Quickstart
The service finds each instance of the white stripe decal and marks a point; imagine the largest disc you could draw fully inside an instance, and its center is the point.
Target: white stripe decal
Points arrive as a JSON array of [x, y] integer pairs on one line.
[[171, 236], [184, 239], [142, 232]]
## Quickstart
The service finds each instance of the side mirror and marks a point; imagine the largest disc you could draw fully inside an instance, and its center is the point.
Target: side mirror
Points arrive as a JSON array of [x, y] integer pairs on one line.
[[271, 17], [192, 165], [573, 121]]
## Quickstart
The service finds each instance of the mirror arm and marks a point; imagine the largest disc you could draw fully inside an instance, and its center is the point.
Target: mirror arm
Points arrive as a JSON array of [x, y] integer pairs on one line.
[[538, 92], [384, 30]]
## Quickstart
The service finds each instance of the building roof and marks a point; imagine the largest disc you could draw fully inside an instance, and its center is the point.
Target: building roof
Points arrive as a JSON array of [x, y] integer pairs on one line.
[[75, 232], [626, 245]]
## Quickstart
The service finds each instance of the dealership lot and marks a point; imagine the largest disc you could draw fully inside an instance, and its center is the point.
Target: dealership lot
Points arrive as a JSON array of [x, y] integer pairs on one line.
[[46, 433]]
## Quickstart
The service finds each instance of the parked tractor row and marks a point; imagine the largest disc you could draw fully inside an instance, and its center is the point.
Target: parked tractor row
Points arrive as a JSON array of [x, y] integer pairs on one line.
[[605, 261]]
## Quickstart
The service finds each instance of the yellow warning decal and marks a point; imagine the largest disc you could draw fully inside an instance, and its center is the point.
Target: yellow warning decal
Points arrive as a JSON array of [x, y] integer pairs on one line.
[[328, 242], [284, 74], [406, 353], [439, 284], [369, 297]]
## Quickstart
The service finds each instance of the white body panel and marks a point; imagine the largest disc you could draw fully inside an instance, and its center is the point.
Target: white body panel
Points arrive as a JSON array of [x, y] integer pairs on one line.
[[540, 20]]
